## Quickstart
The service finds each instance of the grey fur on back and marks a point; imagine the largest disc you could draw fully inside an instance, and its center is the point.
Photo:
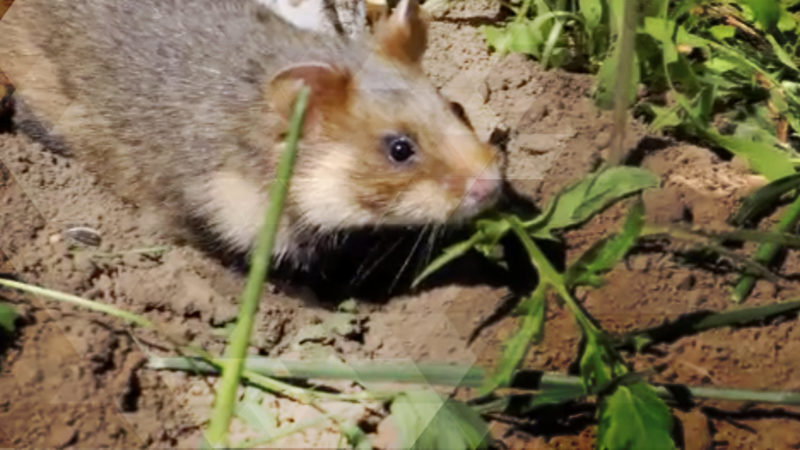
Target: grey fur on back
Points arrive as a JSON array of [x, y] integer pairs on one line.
[[169, 88]]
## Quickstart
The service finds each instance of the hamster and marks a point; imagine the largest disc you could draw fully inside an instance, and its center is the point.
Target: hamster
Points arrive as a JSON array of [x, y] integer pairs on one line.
[[184, 104]]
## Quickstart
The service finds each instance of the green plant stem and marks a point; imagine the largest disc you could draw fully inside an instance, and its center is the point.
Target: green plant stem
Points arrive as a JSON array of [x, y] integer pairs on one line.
[[739, 235], [682, 327], [622, 89], [766, 253], [438, 374], [547, 380], [233, 364], [523, 11], [78, 301], [551, 277]]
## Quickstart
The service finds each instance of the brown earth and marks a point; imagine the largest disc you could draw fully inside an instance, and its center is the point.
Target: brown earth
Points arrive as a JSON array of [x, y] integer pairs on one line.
[[77, 379]]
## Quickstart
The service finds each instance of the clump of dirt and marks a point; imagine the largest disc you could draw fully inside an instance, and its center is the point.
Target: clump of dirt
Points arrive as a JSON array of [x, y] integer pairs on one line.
[[75, 378]]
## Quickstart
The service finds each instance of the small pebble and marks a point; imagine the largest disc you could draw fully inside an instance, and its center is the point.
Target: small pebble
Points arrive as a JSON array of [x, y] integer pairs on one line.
[[84, 235], [483, 90]]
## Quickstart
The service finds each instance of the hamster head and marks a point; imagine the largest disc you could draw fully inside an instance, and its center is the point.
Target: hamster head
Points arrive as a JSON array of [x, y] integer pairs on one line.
[[380, 145]]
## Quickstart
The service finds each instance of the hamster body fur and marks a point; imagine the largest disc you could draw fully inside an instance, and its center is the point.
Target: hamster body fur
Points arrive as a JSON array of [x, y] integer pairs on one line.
[[183, 105]]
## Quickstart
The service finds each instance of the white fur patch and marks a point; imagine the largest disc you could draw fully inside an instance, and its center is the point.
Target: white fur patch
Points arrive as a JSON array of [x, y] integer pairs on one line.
[[425, 201], [235, 208], [323, 193]]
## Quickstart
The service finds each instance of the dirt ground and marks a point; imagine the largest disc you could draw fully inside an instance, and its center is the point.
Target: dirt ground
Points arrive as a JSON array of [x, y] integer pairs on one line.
[[78, 379]]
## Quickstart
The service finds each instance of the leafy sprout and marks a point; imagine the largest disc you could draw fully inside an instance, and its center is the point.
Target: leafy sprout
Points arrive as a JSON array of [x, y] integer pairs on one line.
[[726, 73]]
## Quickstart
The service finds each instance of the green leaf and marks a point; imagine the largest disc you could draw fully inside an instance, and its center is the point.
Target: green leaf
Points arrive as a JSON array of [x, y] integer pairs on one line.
[[765, 12], [759, 202], [607, 80], [8, 317], [787, 22], [515, 37], [580, 201], [721, 64], [634, 417], [485, 240], [448, 255], [596, 364], [664, 117], [662, 30], [491, 231], [555, 395], [781, 53], [764, 158], [427, 421], [592, 11], [549, 46], [603, 255], [722, 32], [732, 317], [516, 347]]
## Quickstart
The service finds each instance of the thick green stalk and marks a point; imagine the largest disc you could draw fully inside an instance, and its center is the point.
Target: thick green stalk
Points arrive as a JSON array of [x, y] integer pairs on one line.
[[766, 253], [625, 49], [233, 364], [432, 373]]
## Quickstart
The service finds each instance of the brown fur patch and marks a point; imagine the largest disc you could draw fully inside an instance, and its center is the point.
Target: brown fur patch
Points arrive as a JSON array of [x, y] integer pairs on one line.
[[4, 5], [330, 85], [403, 36]]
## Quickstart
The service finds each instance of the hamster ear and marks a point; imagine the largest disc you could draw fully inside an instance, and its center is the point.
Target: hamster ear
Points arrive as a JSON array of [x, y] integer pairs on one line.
[[404, 34], [330, 86]]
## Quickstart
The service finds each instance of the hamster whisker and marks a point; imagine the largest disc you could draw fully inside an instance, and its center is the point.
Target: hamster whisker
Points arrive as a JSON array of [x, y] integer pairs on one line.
[[363, 271], [409, 257]]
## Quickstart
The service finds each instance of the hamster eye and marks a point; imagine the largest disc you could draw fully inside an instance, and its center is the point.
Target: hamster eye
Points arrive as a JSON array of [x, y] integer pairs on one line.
[[399, 147]]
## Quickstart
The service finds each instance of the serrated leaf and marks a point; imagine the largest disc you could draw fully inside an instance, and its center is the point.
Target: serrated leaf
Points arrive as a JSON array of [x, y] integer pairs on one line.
[[580, 201], [662, 30], [8, 318], [516, 347], [781, 53], [634, 417], [664, 117], [603, 255], [426, 420]]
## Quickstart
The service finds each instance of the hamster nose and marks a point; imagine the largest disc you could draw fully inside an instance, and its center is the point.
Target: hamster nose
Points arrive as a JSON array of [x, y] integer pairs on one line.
[[482, 191]]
